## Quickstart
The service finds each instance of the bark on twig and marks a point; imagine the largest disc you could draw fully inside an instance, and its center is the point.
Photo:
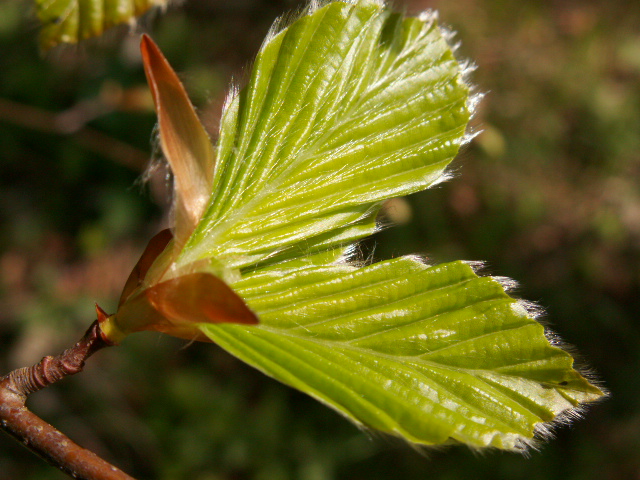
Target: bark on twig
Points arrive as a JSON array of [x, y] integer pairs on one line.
[[36, 434]]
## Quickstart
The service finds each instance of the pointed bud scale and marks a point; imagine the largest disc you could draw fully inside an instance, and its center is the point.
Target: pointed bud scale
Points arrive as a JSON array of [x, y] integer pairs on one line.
[[103, 321], [201, 298], [155, 247], [184, 141], [101, 315], [159, 295], [175, 306]]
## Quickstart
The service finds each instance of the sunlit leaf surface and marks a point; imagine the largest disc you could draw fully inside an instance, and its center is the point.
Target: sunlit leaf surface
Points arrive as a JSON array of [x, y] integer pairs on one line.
[[348, 106], [426, 353]]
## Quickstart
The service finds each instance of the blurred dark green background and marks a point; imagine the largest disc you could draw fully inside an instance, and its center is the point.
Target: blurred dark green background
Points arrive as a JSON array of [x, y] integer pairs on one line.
[[548, 194]]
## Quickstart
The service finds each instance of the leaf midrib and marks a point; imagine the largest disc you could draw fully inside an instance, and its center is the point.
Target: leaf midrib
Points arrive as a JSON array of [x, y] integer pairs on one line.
[[217, 230]]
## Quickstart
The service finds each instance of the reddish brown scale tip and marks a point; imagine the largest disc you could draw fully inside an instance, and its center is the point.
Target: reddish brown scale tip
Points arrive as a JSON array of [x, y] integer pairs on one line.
[[101, 314]]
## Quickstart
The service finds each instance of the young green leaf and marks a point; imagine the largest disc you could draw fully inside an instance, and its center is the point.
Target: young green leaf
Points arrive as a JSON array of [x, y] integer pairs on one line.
[[425, 353], [348, 106], [70, 21]]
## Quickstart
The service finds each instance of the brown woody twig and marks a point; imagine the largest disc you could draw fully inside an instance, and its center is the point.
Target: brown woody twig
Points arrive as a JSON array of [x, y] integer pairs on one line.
[[36, 434]]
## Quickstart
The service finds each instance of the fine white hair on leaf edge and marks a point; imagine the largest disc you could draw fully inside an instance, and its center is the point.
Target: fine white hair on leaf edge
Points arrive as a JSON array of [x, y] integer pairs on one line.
[[476, 265], [473, 101], [231, 95], [471, 134], [527, 308], [467, 67], [284, 21], [450, 172], [429, 17], [349, 255], [444, 177], [508, 284], [449, 35], [546, 430], [419, 259]]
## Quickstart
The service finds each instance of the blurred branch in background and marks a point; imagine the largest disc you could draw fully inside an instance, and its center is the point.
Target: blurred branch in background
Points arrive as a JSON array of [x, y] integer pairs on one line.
[[73, 122]]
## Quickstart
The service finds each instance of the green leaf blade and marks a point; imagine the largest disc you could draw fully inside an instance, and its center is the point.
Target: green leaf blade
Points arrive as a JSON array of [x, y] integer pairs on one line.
[[347, 107], [278, 96], [425, 353]]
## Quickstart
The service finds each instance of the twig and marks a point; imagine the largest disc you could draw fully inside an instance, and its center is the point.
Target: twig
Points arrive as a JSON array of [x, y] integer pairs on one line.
[[36, 434]]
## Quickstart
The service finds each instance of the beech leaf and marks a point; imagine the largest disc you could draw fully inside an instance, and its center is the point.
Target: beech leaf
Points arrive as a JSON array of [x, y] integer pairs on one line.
[[425, 353], [347, 106]]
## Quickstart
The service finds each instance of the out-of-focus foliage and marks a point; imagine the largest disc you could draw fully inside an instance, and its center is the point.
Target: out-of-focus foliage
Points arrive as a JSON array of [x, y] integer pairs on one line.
[[548, 194], [71, 21]]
